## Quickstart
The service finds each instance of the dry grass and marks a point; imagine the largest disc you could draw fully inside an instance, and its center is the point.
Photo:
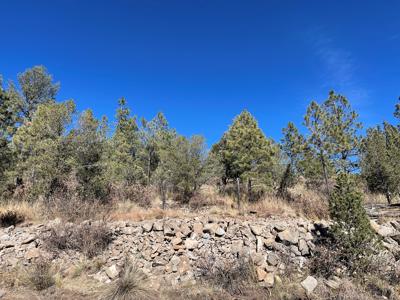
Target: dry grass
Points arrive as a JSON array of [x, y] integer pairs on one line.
[[40, 274], [90, 239], [132, 284], [235, 277], [31, 212]]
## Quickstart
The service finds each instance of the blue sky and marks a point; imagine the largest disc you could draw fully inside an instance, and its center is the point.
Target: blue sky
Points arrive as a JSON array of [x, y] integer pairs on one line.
[[202, 62]]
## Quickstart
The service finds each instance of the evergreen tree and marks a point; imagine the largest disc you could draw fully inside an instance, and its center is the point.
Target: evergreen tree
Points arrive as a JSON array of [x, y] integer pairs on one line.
[[124, 156], [354, 237], [397, 110], [89, 142], [246, 153], [8, 125], [37, 87], [40, 149], [182, 166], [334, 139], [293, 146], [379, 160], [154, 134]]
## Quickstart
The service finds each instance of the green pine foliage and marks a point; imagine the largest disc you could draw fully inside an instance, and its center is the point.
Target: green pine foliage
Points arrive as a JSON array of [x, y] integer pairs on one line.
[[247, 154], [39, 147], [124, 165], [354, 238]]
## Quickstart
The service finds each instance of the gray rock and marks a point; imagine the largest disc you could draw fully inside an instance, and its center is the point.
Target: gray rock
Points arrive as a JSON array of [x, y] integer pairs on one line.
[[289, 236], [191, 244], [273, 259], [112, 272], [309, 284]]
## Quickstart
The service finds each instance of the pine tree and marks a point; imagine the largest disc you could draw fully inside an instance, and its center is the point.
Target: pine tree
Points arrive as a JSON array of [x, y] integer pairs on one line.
[[124, 154], [40, 149], [334, 139], [379, 160], [8, 125], [246, 153], [154, 134], [182, 166], [37, 87], [293, 146], [89, 142], [354, 237]]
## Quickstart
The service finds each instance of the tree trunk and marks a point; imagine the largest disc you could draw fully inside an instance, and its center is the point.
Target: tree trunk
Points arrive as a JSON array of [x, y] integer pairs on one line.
[[283, 186], [163, 195], [249, 190], [388, 198], [323, 162], [148, 169], [238, 192]]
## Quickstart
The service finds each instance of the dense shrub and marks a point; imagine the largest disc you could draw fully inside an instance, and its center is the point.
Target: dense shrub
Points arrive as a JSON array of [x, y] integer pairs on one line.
[[9, 218]]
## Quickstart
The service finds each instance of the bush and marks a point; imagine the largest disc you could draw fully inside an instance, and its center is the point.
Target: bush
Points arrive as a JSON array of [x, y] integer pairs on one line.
[[136, 193], [236, 277], [40, 274], [90, 239], [354, 239], [9, 218], [132, 284]]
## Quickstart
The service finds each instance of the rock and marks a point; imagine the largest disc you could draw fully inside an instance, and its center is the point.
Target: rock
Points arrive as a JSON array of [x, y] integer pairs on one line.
[[273, 259], [176, 241], [258, 259], [32, 253], [295, 250], [147, 226], [303, 247], [185, 230], [191, 244], [236, 246], [382, 230], [261, 273], [2, 293], [289, 236], [333, 283], [29, 239], [256, 229], [112, 272], [101, 277], [309, 284], [269, 280], [259, 243], [279, 227], [210, 227], [175, 260], [198, 228], [219, 231], [158, 226], [269, 243]]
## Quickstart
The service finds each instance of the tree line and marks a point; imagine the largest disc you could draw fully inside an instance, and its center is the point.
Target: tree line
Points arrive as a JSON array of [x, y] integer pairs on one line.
[[47, 147]]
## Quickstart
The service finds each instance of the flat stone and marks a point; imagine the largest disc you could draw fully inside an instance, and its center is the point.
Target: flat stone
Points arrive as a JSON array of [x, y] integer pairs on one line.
[[256, 229], [273, 259], [32, 253], [219, 231], [158, 226], [303, 247], [260, 273], [289, 236], [269, 280], [112, 272], [382, 230], [309, 284], [198, 228], [191, 244], [147, 226], [176, 241]]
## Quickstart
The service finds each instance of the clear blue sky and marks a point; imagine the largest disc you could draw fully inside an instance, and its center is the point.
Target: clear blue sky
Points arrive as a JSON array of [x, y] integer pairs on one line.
[[202, 62]]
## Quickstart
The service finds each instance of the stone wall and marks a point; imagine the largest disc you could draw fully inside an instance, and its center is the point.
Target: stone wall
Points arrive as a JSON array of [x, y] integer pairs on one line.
[[169, 250]]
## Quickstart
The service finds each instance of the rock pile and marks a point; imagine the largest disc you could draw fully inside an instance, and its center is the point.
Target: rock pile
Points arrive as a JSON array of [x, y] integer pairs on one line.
[[169, 250]]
